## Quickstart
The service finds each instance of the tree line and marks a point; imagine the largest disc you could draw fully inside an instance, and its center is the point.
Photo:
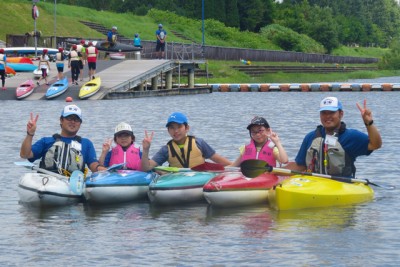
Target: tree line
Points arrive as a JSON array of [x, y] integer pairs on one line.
[[329, 22]]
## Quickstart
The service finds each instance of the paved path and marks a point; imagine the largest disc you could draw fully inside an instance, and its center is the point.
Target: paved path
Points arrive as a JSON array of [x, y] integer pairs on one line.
[[112, 73]]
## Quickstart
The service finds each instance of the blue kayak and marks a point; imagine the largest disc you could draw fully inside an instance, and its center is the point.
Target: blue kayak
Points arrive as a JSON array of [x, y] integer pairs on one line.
[[179, 187], [116, 187], [57, 88], [22, 67]]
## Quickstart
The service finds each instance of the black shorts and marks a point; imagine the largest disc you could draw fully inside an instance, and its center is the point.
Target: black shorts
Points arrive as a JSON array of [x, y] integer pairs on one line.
[[92, 65], [80, 64], [60, 69], [160, 47]]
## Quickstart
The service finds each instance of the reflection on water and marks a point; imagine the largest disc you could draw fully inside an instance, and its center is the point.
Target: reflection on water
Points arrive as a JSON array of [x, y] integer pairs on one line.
[[199, 235]]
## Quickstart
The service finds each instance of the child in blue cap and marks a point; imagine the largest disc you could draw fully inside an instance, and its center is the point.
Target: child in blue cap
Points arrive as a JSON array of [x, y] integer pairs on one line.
[[183, 150]]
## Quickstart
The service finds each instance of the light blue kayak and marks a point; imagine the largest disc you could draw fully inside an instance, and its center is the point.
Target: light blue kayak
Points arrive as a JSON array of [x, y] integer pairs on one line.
[[57, 88], [179, 187], [22, 67], [117, 187]]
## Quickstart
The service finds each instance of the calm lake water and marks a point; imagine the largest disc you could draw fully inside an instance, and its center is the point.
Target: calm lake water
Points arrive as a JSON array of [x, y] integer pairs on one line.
[[197, 235]]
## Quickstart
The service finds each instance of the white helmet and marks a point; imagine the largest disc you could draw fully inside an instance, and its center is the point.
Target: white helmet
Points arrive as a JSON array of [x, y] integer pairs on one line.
[[123, 127], [114, 28]]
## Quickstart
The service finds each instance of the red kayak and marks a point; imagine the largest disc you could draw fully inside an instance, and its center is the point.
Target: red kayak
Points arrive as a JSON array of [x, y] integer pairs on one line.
[[26, 60], [233, 189], [25, 89]]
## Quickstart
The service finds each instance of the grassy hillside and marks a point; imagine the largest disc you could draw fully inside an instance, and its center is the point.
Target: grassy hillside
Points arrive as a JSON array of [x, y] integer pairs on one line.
[[18, 20]]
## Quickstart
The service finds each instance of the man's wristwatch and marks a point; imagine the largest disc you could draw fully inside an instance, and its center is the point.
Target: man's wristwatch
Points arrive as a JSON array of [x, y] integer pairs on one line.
[[369, 123]]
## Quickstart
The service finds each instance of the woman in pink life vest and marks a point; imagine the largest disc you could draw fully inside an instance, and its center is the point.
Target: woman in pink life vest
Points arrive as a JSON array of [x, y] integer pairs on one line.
[[264, 145], [125, 151]]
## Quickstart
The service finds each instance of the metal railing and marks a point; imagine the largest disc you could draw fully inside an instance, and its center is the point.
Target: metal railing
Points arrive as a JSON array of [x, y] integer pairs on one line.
[[182, 51]]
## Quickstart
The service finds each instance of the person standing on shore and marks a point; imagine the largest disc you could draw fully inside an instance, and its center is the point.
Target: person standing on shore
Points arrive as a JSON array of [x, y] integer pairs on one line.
[[111, 39], [82, 62], [44, 65], [91, 53], [161, 35], [60, 63], [73, 63], [3, 65]]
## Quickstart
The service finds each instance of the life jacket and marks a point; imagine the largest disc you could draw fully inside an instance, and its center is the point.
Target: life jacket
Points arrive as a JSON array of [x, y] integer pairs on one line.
[[60, 57], [2, 59], [43, 61], [329, 159], [186, 157], [63, 157], [81, 49], [266, 153], [91, 51], [131, 157], [74, 55]]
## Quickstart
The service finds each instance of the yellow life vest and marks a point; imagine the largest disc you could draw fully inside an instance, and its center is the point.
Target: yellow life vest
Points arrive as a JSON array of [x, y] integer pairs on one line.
[[187, 156]]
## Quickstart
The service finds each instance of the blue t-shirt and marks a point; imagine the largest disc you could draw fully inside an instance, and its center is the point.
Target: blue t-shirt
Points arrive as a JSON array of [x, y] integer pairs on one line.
[[136, 41], [354, 142], [40, 148], [110, 36], [162, 155], [162, 34], [2, 65]]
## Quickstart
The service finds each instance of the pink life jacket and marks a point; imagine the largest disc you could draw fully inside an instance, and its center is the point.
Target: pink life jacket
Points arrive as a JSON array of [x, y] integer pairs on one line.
[[266, 153], [131, 157]]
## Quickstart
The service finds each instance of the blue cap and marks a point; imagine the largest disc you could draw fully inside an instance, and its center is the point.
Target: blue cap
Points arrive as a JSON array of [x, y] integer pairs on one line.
[[71, 110], [177, 117], [331, 104]]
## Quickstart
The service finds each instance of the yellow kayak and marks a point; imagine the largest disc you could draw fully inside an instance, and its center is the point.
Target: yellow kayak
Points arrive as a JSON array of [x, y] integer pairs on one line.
[[90, 88], [301, 192]]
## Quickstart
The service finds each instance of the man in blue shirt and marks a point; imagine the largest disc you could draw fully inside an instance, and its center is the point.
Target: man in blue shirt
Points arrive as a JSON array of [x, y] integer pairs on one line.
[[112, 35], [61, 152], [161, 35], [332, 148]]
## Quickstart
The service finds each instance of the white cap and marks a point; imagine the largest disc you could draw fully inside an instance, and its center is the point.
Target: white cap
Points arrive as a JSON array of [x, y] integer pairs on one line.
[[123, 127], [114, 28], [331, 104], [71, 110]]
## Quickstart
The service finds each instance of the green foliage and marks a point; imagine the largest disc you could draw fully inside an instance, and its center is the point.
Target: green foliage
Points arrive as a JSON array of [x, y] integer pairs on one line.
[[290, 40], [391, 60]]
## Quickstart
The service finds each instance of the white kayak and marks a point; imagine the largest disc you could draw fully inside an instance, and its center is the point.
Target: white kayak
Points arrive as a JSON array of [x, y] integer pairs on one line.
[[39, 189]]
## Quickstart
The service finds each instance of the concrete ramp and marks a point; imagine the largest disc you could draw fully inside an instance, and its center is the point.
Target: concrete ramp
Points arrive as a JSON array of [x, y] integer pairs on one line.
[[129, 73]]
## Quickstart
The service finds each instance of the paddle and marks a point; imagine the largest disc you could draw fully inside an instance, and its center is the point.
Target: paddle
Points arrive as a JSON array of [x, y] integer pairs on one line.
[[76, 181], [206, 166], [253, 168], [115, 167]]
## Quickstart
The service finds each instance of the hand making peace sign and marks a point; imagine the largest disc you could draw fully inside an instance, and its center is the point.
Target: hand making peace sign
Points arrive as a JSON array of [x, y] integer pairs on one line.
[[31, 126]]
